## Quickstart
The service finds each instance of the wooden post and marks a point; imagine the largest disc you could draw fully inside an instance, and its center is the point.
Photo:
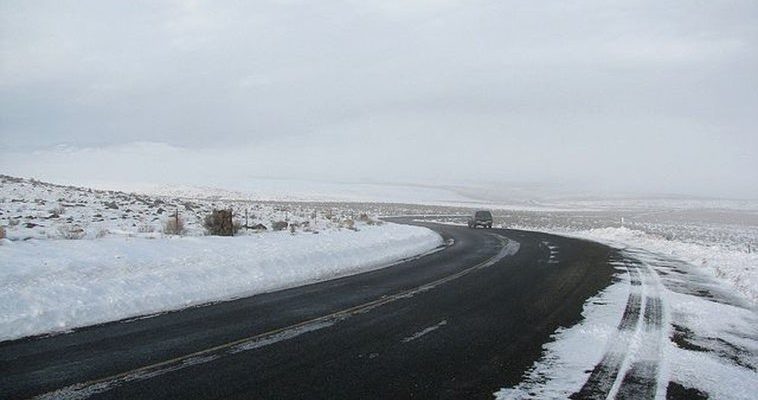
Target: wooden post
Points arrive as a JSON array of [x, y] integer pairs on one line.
[[247, 226]]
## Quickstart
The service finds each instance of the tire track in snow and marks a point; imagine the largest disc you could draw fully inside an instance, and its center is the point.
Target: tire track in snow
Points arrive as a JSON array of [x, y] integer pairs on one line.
[[604, 375], [630, 367], [641, 379]]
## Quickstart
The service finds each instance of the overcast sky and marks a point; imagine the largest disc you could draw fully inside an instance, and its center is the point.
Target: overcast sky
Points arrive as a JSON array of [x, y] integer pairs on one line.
[[636, 96]]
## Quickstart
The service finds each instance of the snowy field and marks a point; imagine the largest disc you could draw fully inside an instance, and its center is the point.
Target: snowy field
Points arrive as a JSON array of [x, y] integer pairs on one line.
[[36, 210], [75, 257]]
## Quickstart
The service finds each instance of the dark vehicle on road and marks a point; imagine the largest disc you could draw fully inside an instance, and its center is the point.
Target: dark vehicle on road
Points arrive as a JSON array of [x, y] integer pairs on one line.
[[480, 218]]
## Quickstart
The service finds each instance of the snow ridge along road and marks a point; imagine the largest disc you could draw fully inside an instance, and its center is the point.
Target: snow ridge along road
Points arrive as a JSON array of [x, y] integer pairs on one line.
[[343, 338]]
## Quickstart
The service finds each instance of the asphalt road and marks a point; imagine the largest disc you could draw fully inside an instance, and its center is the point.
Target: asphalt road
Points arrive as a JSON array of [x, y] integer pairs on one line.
[[459, 323]]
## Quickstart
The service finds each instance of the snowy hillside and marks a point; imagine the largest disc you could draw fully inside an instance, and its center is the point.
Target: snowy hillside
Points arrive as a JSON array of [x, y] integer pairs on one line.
[[32, 209], [123, 266]]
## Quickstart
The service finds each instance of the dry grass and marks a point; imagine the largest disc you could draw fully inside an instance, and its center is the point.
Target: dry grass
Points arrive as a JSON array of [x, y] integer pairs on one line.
[[146, 228], [279, 225], [60, 210], [174, 225], [71, 232]]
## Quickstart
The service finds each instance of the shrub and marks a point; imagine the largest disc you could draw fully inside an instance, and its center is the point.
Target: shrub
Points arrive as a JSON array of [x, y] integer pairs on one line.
[[174, 225], [279, 225], [144, 227], [58, 211], [368, 220], [258, 227], [2, 232], [71, 232], [219, 223], [101, 233], [348, 223]]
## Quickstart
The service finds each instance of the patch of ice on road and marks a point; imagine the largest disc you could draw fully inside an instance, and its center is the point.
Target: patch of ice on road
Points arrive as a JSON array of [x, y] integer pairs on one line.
[[53, 285]]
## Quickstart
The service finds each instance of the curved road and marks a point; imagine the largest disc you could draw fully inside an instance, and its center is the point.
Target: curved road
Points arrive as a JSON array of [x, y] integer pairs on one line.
[[462, 322]]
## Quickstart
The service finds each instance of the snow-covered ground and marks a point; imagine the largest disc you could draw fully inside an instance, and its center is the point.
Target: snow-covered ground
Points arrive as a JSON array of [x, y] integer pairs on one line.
[[727, 252], [122, 265], [32, 209], [707, 341], [737, 267]]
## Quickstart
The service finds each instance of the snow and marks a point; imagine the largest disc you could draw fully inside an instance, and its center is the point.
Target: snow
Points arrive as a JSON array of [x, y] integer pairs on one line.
[[736, 267], [709, 341], [719, 379], [718, 355], [55, 285], [32, 209], [123, 266]]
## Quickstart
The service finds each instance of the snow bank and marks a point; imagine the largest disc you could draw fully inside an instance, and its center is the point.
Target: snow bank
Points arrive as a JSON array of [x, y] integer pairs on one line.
[[56, 285], [738, 268]]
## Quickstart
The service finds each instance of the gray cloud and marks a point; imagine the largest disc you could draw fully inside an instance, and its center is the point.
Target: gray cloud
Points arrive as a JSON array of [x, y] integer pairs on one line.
[[642, 96]]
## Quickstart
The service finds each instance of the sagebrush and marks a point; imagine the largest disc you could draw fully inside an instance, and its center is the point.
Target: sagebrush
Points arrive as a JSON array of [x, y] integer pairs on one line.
[[174, 225], [220, 223], [71, 232]]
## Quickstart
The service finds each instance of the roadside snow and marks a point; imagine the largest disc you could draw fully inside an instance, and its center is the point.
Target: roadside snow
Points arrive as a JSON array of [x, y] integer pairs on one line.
[[56, 285], [573, 351], [737, 268], [709, 343]]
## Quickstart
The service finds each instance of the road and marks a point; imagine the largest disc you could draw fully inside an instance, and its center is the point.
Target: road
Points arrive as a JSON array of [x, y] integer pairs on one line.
[[462, 322]]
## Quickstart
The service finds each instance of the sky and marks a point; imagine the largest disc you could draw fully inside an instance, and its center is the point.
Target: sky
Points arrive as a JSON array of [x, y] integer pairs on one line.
[[644, 97]]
